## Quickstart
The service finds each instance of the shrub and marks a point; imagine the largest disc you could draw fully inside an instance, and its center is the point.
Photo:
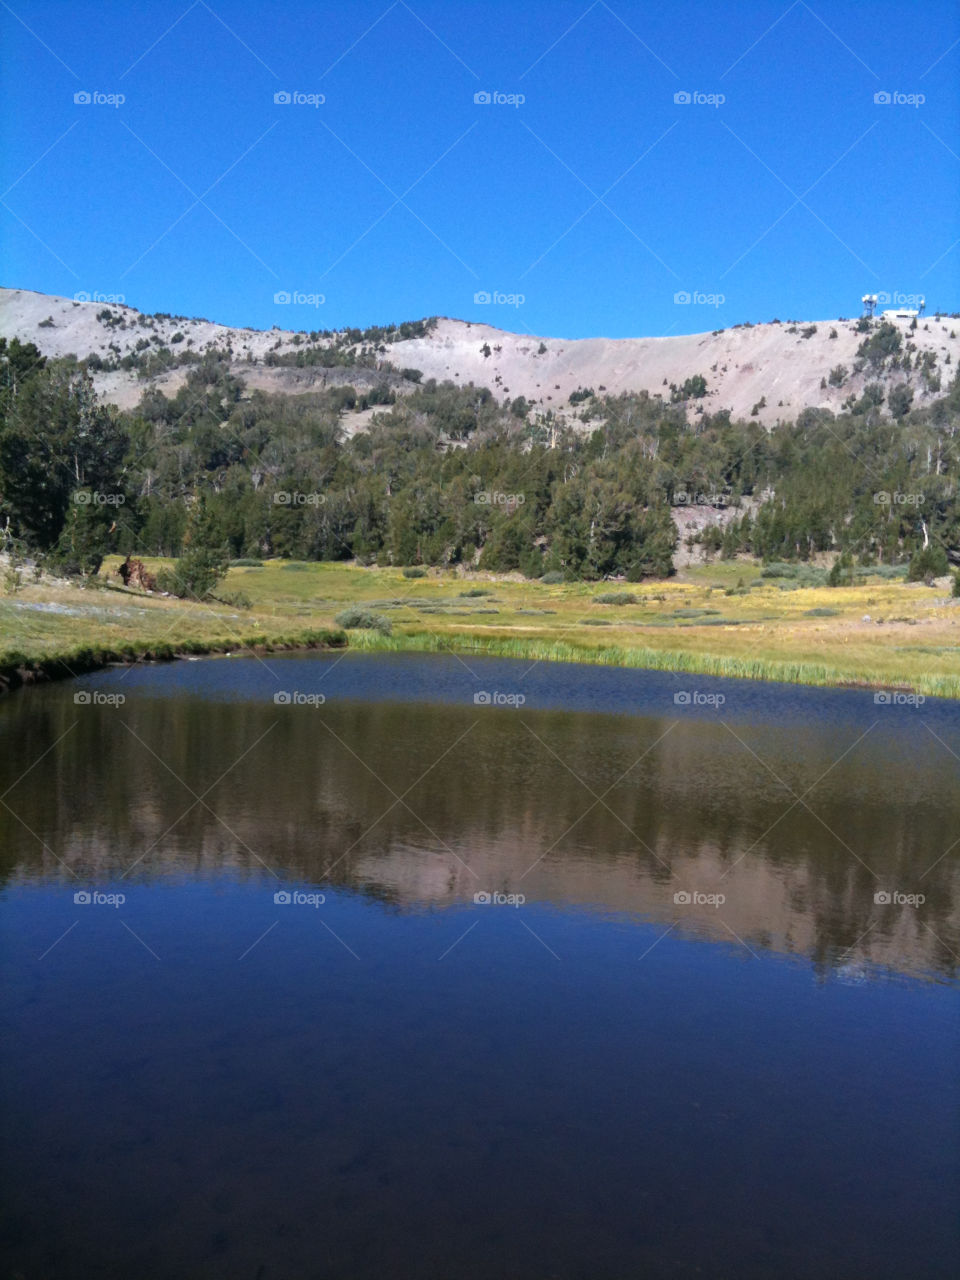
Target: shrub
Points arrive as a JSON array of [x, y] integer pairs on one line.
[[694, 388], [841, 571], [899, 400], [235, 599], [803, 575], [956, 585], [246, 563], [195, 574], [616, 597], [414, 571], [885, 342], [888, 571], [926, 564], [552, 577], [474, 592], [357, 619]]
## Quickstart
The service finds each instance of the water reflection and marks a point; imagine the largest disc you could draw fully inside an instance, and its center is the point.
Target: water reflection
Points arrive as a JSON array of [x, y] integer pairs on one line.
[[831, 841]]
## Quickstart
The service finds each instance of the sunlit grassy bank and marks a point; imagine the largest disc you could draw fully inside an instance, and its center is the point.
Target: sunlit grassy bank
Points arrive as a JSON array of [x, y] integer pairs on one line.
[[723, 620], [545, 650], [53, 631]]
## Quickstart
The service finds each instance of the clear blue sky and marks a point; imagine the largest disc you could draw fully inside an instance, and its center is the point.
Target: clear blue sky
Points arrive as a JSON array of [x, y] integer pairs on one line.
[[598, 198]]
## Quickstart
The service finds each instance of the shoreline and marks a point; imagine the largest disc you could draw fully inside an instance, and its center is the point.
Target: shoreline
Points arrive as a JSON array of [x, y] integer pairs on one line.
[[17, 671], [811, 675]]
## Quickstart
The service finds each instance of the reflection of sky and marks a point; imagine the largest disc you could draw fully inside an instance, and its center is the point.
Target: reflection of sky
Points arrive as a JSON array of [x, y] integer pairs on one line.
[[362, 1065]]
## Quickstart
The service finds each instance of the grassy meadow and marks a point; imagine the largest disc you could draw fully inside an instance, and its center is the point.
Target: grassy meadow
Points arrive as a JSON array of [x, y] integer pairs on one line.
[[720, 619]]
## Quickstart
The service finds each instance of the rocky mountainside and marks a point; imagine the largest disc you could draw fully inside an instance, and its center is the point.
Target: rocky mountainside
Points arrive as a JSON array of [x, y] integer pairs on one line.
[[768, 371]]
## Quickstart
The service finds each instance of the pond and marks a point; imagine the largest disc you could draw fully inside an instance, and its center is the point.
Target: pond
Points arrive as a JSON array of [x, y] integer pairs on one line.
[[358, 965]]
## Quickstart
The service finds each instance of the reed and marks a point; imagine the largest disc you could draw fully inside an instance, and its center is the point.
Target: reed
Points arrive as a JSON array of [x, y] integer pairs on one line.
[[679, 660]]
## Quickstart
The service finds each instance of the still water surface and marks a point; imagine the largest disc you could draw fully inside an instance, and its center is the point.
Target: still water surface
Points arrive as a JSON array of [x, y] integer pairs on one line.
[[602, 983]]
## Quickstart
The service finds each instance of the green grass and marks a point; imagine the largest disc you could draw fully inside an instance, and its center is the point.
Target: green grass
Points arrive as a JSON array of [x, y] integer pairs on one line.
[[18, 667], [810, 635], [649, 659]]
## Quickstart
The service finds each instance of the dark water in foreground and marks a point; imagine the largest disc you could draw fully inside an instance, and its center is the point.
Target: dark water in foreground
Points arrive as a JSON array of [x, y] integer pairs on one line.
[[719, 1037]]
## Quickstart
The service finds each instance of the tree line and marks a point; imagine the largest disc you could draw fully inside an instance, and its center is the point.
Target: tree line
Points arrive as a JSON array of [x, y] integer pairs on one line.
[[447, 474]]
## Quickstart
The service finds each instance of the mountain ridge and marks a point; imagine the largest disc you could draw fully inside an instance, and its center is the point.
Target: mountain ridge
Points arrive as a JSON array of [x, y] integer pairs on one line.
[[769, 371]]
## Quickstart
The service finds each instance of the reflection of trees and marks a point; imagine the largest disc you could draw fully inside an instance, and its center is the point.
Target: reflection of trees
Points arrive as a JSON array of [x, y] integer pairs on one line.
[[699, 811]]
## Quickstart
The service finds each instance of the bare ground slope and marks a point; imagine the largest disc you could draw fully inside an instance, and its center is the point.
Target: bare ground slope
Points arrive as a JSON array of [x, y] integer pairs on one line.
[[744, 367]]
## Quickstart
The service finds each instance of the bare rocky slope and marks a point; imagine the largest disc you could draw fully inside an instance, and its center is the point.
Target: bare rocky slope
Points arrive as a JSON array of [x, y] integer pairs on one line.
[[770, 371]]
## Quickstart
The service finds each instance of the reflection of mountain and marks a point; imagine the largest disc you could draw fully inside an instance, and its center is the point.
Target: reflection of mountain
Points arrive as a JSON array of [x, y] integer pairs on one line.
[[570, 809]]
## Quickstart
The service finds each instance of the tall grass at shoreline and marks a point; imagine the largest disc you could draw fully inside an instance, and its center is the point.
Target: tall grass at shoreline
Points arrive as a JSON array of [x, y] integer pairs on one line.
[[544, 650]]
